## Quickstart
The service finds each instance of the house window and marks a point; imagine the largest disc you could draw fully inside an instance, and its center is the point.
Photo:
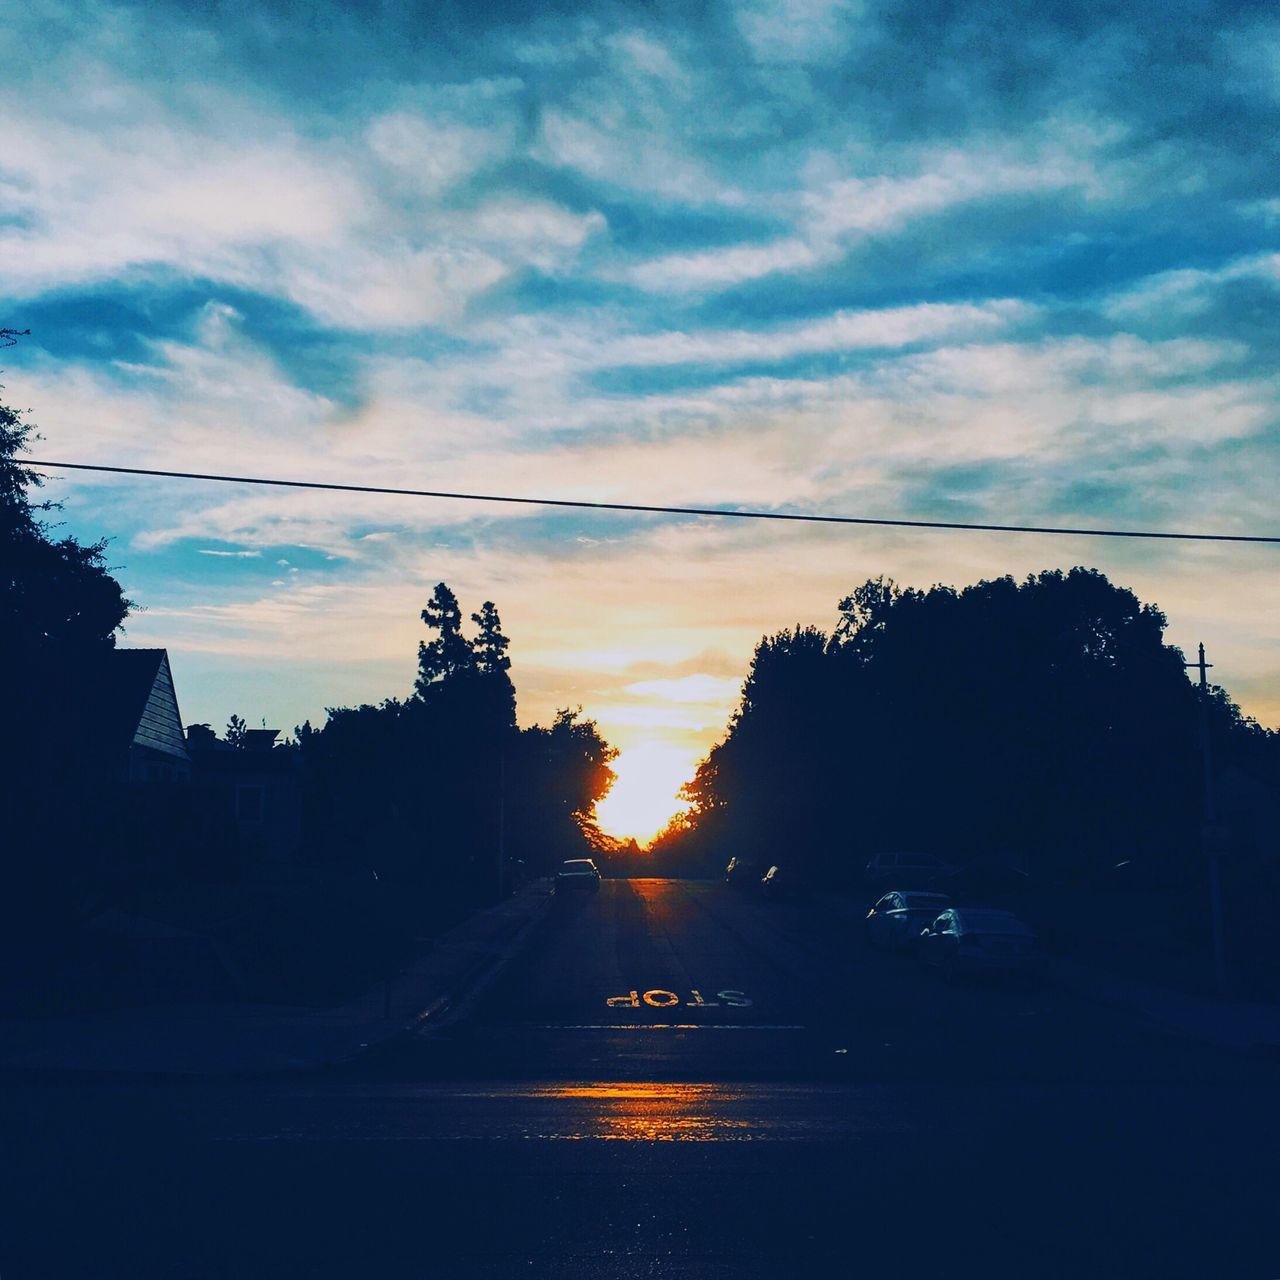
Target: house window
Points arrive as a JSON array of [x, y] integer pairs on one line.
[[249, 802]]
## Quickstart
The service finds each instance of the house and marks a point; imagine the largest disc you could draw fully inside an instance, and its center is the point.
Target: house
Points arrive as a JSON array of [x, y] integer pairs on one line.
[[133, 717], [260, 783]]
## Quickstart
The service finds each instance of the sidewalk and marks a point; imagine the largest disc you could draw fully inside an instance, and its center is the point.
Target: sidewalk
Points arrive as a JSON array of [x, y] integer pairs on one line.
[[1232, 1024], [250, 1039]]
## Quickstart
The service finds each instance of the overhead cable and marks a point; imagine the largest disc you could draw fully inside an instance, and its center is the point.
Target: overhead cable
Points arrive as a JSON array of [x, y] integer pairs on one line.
[[642, 508]]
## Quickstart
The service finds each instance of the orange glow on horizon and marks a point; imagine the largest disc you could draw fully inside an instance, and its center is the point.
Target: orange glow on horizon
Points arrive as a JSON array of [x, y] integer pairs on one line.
[[645, 796]]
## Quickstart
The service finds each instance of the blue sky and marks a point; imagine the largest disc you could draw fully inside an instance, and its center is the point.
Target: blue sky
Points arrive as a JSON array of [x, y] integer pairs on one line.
[[1007, 264]]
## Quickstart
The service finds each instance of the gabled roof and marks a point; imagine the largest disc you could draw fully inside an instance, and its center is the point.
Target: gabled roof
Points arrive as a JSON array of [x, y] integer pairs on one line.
[[131, 700], [125, 678]]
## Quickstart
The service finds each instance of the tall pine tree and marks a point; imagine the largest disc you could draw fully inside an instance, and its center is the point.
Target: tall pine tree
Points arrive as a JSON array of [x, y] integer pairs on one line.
[[490, 652], [449, 654]]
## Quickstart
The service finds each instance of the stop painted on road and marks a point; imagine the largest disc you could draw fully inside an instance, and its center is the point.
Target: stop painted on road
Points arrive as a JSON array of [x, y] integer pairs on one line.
[[659, 998]]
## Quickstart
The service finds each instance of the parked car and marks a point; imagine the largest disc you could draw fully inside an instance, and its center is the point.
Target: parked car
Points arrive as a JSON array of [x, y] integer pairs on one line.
[[742, 873], [910, 870], [578, 875], [782, 882], [977, 940], [898, 917]]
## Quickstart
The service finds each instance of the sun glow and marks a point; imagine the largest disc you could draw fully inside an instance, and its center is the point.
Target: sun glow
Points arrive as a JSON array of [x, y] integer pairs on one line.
[[645, 795]]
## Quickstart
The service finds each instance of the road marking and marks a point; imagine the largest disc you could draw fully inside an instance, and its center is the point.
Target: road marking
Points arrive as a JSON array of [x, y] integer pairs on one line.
[[668, 1026], [661, 998]]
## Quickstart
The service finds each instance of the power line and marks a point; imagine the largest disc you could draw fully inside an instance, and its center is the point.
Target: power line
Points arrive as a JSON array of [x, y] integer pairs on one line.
[[657, 509]]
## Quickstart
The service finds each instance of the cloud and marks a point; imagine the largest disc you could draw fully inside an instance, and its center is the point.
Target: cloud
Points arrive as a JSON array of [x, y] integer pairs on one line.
[[354, 228], [693, 688], [834, 209], [840, 331], [1081, 406], [885, 202], [716, 268], [636, 120], [1189, 292], [798, 31], [431, 157]]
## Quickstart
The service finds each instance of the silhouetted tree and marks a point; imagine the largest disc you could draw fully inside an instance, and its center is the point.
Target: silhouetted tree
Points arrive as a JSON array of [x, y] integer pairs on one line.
[[489, 653], [235, 731], [57, 598], [60, 608], [557, 775], [448, 654], [416, 790], [1045, 720], [490, 645]]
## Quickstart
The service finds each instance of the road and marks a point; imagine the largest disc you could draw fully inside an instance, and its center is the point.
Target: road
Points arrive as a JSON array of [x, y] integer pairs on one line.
[[676, 1080]]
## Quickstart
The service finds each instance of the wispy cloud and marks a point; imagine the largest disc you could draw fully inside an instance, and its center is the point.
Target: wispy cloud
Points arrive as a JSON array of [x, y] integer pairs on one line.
[[835, 209]]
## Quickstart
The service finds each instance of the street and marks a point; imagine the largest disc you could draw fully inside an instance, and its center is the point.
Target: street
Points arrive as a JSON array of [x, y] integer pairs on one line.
[[674, 1079]]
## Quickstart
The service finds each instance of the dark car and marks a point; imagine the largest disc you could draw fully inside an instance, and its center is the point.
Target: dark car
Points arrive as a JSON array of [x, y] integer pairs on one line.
[[979, 940], [578, 875], [742, 873], [909, 870], [783, 883], [897, 918]]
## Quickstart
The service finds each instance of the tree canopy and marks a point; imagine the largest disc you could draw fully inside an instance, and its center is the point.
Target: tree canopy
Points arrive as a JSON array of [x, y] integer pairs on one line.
[[60, 609], [447, 655], [1044, 720], [436, 791], [58, 601]]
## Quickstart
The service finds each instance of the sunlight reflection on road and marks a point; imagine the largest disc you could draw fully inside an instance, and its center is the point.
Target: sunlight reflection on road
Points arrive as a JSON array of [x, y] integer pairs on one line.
[[607, 1111], [654, 1112]]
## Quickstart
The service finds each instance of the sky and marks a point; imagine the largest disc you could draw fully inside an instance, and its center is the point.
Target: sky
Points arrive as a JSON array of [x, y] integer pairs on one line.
[[956, 261]]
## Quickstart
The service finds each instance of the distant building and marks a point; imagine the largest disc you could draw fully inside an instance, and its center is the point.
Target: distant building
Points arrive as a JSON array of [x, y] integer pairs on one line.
[[133, 718], [260, 784]]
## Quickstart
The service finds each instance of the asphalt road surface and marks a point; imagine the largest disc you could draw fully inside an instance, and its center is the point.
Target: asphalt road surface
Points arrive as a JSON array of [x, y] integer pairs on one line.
[[676, 1080]]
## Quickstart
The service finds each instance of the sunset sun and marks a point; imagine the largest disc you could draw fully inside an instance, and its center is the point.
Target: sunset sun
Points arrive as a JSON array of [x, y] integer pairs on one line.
[[645, 795]]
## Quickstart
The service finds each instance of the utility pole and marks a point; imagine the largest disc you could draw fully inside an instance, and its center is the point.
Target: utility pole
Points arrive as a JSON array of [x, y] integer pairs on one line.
[[1210, 837], [502, 821]]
